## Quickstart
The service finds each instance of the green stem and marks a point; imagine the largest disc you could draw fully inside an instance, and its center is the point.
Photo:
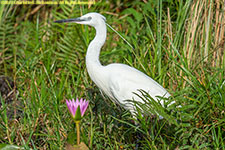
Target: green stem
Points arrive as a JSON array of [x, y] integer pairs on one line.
[[78, 131]]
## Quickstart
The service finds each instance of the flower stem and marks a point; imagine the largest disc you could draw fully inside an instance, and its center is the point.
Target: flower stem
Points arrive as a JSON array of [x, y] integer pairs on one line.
[[78, 131]]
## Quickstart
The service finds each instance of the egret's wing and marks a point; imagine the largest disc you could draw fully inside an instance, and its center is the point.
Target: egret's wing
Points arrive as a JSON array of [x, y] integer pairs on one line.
[[125, 80]]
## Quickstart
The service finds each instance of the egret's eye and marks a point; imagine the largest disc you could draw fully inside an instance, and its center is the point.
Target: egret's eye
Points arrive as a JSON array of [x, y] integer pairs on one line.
[[89, 18]]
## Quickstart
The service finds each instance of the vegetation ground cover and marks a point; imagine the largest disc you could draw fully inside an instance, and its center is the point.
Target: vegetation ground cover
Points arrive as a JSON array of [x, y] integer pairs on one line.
[[180, 44]]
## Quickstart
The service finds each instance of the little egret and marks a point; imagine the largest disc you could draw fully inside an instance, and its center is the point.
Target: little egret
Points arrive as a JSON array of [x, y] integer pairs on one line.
[[118, 81]]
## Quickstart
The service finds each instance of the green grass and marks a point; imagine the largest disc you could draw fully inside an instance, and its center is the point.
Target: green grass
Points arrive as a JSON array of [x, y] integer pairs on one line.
[[179, 46]]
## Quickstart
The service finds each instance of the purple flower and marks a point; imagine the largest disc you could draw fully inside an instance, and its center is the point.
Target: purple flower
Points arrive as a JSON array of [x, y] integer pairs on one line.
[[73, 105]]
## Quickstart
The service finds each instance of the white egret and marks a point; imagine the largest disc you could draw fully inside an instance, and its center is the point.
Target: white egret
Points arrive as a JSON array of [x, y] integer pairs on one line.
[[118, 81]]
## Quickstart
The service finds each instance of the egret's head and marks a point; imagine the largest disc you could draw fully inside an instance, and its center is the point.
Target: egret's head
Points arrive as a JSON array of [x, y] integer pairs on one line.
[[91, 19]]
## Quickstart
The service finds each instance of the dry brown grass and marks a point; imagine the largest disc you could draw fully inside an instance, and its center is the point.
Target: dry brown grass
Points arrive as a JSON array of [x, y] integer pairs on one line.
[[205, 33]]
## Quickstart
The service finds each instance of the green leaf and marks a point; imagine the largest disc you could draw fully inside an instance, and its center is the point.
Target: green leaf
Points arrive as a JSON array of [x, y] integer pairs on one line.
[[9, 147], [71, 138], [2, 145], [78, 114]]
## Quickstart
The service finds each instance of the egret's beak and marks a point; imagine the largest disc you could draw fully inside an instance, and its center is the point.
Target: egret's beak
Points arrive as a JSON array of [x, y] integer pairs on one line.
[[70, 20]]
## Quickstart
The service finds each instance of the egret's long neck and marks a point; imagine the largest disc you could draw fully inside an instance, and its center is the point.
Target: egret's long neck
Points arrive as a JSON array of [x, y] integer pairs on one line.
[[93, 51], [93, 65]]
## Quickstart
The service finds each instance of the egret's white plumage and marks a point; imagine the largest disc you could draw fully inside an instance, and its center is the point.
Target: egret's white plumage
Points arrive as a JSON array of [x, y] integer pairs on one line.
[[118, 81]]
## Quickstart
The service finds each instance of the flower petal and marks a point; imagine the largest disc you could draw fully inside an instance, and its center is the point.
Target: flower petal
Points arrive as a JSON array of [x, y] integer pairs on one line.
[[68, 102], [81, 101], [84, 107]]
